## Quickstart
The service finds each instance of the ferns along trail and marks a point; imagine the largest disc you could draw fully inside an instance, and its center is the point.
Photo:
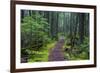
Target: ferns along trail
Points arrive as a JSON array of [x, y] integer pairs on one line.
[[54, 36]]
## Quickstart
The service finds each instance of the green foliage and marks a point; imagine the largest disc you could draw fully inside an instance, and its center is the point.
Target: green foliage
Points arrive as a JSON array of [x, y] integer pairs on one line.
[[24, 52], [35, 38], [41, 29], [34, 31], [78, 52], [41, 56], [85, 49]]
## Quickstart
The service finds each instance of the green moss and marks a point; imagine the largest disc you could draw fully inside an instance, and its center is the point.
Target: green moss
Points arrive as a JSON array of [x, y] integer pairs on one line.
[[41, 56]]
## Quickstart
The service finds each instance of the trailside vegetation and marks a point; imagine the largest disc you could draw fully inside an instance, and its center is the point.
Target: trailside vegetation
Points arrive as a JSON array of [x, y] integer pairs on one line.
[[41, 30]]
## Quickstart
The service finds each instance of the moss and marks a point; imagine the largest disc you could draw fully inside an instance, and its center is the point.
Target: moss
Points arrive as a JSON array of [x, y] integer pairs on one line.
[[41, 56]]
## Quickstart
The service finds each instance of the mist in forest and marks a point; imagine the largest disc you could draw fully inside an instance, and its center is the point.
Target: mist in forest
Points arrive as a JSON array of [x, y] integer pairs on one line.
[[54, 36]]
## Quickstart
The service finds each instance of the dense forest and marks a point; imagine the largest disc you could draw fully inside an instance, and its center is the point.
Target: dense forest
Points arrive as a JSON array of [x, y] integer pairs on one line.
[[41, 31]]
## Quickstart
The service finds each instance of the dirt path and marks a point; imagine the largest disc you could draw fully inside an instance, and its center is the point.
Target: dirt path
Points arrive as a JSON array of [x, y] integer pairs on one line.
[[56, 54]]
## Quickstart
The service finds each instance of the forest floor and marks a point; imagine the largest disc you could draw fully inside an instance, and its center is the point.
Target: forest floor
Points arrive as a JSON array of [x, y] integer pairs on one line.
[[57, 53]]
